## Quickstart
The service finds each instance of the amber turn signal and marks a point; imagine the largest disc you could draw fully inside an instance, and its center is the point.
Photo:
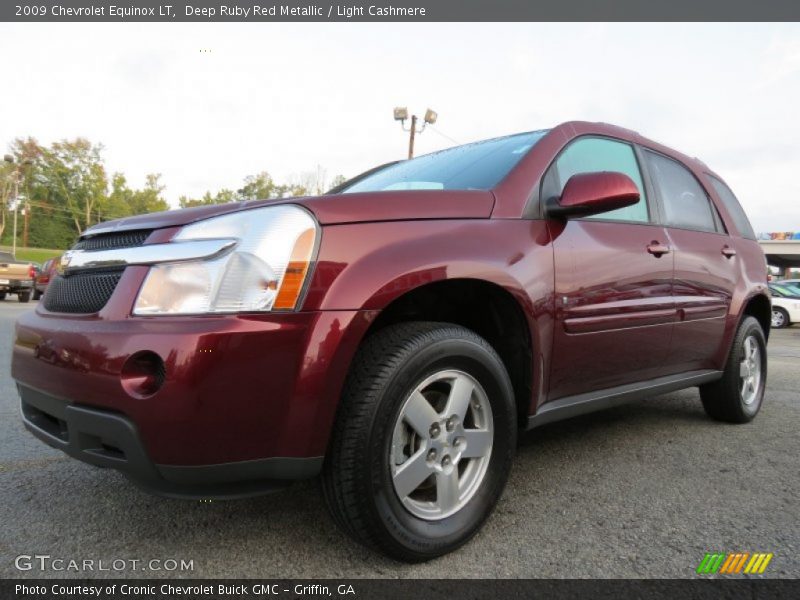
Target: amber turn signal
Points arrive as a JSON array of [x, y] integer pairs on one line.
[[296, 271]]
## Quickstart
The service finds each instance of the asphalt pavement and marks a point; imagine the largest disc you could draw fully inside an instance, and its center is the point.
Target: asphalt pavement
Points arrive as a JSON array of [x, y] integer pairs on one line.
[[643, 490]]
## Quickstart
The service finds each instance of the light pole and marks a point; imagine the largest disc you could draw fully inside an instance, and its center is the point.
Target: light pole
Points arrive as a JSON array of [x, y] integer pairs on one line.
[[401, 114]]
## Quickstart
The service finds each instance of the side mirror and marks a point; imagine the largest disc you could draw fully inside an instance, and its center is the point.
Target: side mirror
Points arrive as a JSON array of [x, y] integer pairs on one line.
[[593, 193]]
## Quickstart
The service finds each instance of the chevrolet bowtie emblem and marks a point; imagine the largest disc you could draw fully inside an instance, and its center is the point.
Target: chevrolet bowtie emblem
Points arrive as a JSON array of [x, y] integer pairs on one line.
[[63, 264]]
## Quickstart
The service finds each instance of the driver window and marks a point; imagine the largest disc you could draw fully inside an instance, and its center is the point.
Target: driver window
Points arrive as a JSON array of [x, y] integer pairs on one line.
[[587, 155]]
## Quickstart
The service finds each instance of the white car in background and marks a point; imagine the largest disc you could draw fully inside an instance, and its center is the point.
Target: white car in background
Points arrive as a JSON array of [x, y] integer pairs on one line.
[[793, 285], [785, 305]]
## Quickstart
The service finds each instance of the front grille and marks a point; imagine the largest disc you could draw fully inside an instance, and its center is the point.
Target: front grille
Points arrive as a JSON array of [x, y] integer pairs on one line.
[[109, 241], [89, 291], [85, 292]]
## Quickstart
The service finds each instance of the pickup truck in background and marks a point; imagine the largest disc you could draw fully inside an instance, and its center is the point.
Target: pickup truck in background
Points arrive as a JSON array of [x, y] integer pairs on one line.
[[16, 277]]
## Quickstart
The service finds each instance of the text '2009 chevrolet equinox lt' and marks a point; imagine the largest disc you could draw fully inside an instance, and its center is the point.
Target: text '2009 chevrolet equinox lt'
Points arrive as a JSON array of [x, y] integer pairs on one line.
[[396, 334]]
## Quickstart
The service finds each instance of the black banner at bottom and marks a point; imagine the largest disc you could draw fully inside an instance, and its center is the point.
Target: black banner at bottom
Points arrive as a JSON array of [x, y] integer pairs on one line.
[[379, 589]]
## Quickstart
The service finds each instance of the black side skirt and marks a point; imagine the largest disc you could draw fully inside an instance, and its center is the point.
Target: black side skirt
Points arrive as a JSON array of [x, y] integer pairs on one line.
[[581, 404]]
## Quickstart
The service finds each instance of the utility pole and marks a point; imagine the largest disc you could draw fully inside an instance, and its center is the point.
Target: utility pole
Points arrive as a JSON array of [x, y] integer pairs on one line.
[[411, 136], [16, 201], [10, 159], [27, 214], [401, 114], [17, 176]]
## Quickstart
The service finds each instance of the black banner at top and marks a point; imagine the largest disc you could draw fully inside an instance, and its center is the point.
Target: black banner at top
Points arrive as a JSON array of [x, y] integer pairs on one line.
[[261, 11]]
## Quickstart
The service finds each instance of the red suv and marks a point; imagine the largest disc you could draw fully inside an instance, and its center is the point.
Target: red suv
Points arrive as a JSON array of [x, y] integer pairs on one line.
[[396, 334]]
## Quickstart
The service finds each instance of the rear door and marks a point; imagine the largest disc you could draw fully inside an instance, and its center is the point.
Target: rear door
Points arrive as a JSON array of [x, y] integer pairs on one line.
[[705, 263], [613, 281]]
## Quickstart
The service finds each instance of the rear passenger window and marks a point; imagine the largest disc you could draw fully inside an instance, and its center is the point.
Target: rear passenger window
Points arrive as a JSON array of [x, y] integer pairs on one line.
[[588, 155], [734, 208], [685, 203]]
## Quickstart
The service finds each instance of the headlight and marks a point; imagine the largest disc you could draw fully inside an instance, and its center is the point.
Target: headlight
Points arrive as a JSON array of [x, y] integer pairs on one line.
[[265, 270]]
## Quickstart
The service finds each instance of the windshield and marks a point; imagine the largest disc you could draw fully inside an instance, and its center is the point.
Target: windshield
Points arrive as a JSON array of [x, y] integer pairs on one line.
[[476, 166], [781, 290]]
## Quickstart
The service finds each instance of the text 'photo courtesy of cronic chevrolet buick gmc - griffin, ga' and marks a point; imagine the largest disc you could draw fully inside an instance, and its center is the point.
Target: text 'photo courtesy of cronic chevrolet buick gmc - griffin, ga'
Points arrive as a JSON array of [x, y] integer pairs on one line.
[[395, 335]]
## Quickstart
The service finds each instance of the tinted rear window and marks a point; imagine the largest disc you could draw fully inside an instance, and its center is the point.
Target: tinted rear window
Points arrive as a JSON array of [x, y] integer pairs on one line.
[[477, 166], [734, 208]]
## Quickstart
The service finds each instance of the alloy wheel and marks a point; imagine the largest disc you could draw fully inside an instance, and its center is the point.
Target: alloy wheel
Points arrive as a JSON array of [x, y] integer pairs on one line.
[[441, 445], [750, 370]]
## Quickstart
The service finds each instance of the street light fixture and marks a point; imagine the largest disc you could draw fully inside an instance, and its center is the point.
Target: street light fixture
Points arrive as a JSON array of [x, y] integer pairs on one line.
[[401, 114]]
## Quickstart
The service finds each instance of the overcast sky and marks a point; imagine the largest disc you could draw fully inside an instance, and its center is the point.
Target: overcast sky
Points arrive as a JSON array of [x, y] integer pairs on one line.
[[287, 97]]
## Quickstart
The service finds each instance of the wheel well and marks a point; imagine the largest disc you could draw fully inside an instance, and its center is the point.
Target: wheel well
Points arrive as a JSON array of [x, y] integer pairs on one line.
[[761, 308], [485, 308]]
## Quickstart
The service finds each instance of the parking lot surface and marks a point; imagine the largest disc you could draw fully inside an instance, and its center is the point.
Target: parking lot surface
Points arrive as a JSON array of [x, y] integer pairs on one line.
[[643, 490]]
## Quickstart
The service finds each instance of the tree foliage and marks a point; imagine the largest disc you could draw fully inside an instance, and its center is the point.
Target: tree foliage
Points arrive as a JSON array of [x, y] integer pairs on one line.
[[262, 186], [64, 188]]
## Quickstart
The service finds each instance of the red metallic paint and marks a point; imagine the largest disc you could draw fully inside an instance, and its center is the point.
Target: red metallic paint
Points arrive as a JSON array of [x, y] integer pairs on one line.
[[238, 387], [597, 302], [591, 193], [613, 299], [331, 210]]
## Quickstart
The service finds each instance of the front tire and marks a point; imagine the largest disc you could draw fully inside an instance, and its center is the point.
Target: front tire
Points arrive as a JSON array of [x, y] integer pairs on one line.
[[738, 395], [24, 296], [423, 441], [780, 318]]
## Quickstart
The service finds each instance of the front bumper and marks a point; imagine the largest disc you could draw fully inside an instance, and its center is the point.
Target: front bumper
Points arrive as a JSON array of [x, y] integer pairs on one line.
[[247, 403], [107, 439]]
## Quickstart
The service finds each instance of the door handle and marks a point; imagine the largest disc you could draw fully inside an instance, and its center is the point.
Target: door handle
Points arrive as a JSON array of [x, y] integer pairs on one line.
[[728, 252], [657, 249]]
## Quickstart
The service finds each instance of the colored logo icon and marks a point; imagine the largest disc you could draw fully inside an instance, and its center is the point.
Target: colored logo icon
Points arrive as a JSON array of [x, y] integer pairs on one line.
[[734, 563]]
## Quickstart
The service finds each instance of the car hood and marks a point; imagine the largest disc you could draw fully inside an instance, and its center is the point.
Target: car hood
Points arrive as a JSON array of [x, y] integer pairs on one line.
[[331, 210]]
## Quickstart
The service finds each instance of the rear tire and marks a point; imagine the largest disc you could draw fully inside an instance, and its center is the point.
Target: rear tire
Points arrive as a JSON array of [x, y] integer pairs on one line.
[[3, 295], [780, 318], [24, 296], [416, 373], [738, 395], [37, 295]]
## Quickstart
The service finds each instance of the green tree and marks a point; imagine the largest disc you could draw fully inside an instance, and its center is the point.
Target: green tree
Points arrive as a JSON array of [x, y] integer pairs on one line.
[[124, 201], [7, 176], [338, 180], [120, 200], [74, 173], [259, 187], [46, 223], [149, 198], [186, 202]]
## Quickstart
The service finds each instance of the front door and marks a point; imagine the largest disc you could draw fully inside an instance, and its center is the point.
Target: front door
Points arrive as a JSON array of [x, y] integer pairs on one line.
[[613, 282]]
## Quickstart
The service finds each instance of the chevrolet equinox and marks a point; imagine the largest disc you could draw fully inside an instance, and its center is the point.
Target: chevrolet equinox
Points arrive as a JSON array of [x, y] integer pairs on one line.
[[395, 334]]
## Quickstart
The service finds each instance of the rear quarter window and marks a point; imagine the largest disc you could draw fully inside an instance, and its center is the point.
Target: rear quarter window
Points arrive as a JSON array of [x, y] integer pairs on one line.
[[735, 209]]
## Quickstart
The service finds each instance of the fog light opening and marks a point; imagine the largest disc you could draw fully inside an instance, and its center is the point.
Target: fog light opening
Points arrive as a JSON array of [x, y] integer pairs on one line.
[[143, 374]]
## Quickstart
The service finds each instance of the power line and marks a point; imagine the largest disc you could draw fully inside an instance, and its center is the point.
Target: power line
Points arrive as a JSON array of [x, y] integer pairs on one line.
[[444, 135], [67, 210]]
